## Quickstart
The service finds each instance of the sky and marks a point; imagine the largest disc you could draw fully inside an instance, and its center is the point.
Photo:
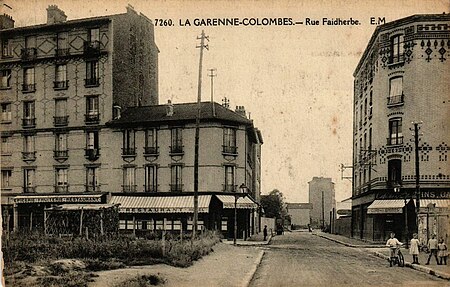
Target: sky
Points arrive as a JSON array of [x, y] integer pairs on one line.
[[295, 81]]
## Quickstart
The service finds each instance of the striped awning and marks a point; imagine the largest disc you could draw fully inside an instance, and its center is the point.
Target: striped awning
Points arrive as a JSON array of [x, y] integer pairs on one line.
[[384, 206], [242, 202], [160, 204], [439, 203]]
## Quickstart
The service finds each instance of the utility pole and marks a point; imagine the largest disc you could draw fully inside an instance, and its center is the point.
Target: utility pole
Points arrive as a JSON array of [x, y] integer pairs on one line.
[[416, 153], [197, 131], [212, 75], [323, 213]]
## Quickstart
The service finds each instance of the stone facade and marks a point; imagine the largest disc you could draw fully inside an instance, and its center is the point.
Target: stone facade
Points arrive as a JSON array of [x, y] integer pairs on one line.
[[322, 198]]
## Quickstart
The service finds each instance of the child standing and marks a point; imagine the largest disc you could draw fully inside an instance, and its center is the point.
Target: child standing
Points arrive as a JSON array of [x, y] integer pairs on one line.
[[414, 249], [442, 252]]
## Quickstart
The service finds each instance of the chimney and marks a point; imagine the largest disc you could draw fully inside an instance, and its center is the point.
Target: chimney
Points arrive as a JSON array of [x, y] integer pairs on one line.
[[6, 22], [169, 108], [55, 15], [241, 111]]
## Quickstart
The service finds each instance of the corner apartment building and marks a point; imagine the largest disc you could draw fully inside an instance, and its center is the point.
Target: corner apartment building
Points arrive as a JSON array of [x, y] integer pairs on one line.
[[322, 198], [402, 77], [61, 82]]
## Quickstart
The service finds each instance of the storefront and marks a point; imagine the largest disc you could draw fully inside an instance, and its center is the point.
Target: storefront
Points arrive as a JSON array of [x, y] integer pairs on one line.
[[434, 218]]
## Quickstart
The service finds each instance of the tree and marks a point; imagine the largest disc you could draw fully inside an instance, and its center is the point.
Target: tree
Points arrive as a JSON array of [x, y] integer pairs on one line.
[[273, 205]]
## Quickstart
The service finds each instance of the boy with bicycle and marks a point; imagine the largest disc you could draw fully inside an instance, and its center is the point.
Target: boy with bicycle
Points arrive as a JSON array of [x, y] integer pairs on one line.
[[393, 244]]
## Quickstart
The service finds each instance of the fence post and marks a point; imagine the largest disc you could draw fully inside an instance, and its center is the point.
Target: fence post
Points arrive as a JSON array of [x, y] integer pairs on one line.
[[81, 222]]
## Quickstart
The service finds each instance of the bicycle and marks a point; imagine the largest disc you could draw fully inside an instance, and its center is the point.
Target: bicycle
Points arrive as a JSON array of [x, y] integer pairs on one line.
[[398, 258]]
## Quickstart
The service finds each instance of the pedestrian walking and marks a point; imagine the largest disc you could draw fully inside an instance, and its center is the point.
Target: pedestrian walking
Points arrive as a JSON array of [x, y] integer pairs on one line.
[[433, 247], [442, 252], [265, 232], [414, 249]]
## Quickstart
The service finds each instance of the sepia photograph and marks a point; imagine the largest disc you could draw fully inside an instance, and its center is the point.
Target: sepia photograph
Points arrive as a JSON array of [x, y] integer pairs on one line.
[[253, 143]]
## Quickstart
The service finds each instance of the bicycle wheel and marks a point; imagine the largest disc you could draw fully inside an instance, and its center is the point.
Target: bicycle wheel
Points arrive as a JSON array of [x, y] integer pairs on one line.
[[401, 259]]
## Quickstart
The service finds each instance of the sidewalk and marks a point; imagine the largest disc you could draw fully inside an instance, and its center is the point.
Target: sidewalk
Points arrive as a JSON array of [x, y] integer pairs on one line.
[[442, 271], [255, 240], [214, 269]]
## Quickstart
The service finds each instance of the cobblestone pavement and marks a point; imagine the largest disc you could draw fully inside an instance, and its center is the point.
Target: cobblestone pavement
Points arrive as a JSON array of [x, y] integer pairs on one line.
[[302, 259]]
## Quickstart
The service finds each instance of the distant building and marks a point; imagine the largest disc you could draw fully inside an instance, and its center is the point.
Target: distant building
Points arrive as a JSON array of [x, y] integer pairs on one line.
[[322, 198], [300, 214]]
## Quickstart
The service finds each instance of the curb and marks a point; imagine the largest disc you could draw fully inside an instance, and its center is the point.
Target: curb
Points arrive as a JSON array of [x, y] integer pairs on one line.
[[255, 243], [249, 277], [348, 244]]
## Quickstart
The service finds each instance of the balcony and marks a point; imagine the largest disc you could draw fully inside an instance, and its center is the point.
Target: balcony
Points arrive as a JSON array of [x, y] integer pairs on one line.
[[92, 188], [60, 154], [176, 150], [129, 188], [60, 85], [61, 188], [5, 86], [28, 88], [395, 100], [229, 188], [92, 118], [397, 60], [29, 189], [28, 123], [61, 121], [29, 155], [151, 150], [129, 151], [178, 187], [28, 54], [60, 53], [91, 48], [395, 141], [92, 153], [229, 150], [92, 82]]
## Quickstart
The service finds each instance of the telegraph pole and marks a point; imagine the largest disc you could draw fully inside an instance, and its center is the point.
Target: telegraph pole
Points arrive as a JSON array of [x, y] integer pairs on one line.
[[212, 75], [197, 131], [416, 152]]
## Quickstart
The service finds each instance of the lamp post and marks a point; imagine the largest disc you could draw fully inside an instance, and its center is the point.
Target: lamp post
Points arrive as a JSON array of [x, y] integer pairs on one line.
[[242, 189]]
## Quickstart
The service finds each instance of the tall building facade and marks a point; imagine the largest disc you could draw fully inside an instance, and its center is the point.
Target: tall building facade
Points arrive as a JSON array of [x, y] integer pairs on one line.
[[61, 82], [402, 78], [322, 199]]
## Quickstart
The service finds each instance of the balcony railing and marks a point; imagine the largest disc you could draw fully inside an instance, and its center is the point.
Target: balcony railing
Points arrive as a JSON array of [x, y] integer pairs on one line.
[[151, 188], [398, 59], [91, 82], [60, 153], [28, 88], [29, 155], [395, 100], [28, 54], [178, 187], [5, 86], [92, 118], [60, 85], [29, 189], [28, 123], [91, 48], [395, 141], [61, 188], [229, 188], [129, 188], [128, 151], [92, 153], [150, 150], [229, 149], [177, 149], [92, 188], [61, 120], [63, 52]]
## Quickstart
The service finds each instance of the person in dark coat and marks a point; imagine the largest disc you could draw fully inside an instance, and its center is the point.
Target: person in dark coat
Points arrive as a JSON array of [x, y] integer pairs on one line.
[[265, 232]]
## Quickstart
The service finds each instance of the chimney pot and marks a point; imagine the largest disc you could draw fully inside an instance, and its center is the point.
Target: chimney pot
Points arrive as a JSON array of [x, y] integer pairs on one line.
[[6, 22], [55, 15], [169, 108]]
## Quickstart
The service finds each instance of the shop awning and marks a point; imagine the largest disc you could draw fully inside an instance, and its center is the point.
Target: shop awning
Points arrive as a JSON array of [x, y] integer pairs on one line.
[[384, 206], [439, 203], [160, 204], [243, 202], [61, 198], [65, 207]]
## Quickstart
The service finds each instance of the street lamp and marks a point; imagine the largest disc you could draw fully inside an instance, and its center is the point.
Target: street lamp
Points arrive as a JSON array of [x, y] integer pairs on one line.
[[406, 231], [242, 189]]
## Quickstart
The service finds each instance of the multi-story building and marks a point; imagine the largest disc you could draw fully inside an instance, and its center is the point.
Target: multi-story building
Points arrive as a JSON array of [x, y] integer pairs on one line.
[[61, 82], [322, 198], [299, 213], [402, 78]]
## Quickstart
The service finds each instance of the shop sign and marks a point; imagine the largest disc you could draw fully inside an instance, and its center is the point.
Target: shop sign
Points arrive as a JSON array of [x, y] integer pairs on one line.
[[162, 210], [435, 194], [384, 210], [54, 199]]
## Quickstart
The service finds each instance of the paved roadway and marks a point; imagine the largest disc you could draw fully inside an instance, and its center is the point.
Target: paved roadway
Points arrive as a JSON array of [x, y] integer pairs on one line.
[[303, 259]]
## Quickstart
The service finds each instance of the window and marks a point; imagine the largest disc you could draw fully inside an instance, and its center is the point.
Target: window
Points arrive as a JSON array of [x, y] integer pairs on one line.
[[5, 146], [394, 172], [28, 180], [91, 179], [129, 179], [151, 176], [92, 74], [61, 118], [229, 179], [92, 109], [94, 34], [28, 114], [397, 49], [61, 81], [176, 182], [61, 180], [177, 140], [28, 80], [29, 152], [229, 141], [6, 112], [365, 108], [92, 145], [61, 150], [395, 91], [151, 141], [6, 48], [62, 44], [128, 147], [6, 177], [6, 79], [395, 132]]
